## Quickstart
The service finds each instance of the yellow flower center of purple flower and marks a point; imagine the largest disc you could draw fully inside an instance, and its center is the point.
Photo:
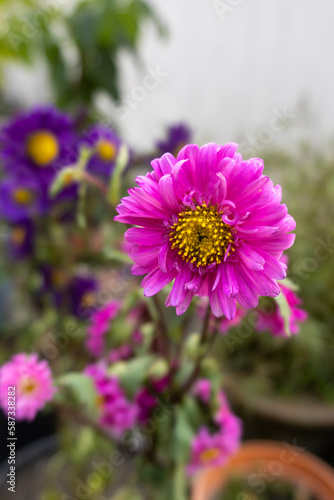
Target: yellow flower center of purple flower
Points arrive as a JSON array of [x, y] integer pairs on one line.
[[22, 196], [17, 235], [209, 455], [28, 385], [43, 148], [201, 237], [88, 300], [106, 150]]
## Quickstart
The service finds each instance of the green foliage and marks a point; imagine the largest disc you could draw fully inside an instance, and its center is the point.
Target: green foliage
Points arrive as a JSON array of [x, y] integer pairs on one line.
[[81, 47], [132, 373], [81, 388]]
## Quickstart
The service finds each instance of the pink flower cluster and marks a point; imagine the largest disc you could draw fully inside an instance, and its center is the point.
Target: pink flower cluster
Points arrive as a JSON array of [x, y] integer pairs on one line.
[[33, 384], [213, 449], [274, 321], [101, 323], [116, 413]]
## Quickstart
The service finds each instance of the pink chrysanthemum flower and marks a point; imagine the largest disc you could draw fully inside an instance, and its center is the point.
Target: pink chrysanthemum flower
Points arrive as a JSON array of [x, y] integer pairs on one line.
[[213, 223], [33, 384], [214, 449], [100, 324], [116, 413], [274, 321]]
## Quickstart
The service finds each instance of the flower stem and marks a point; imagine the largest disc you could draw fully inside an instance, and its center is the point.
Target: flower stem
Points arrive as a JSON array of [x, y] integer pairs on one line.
[[205, 344], [162, 327], [91, 179]]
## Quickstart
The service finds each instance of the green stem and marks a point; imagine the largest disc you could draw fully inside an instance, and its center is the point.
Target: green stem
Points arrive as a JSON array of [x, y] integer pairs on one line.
[[162, 328]]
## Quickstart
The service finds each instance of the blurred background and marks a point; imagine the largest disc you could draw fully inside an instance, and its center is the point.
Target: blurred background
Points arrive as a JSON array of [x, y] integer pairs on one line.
[[227, 68], [255, 72]]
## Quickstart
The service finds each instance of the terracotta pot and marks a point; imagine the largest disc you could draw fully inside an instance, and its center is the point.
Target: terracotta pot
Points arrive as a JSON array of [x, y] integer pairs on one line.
[[271, 460]]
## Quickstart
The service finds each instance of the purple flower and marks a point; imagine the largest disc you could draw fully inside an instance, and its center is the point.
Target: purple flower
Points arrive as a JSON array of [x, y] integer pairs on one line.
[[72, 295], [101, 322], [177, 137], [116, 413], [211, 222], [21, 197], [82, 293], [105, 143], [41, 140], [33, 384], [274, 321]]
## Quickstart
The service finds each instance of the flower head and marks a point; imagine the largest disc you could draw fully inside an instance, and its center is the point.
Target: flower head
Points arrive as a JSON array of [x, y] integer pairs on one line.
[[105, 144], [177, 136], [273, 320], [33, 384], [41, 141], [203, 389], [82, 293], [116, 413], [213, 223], [100, 324], [21, 197], [212, 449]]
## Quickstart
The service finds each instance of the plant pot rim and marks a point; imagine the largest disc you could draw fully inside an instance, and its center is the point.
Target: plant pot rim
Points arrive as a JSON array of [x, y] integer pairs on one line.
[[300, 411], [301, 467]]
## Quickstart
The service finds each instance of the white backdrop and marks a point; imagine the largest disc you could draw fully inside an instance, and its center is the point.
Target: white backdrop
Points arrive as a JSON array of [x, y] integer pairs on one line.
[[230, 69]]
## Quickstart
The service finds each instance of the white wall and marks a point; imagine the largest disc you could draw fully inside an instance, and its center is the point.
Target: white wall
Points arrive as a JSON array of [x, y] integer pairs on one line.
[[230, 74], [226, 76]]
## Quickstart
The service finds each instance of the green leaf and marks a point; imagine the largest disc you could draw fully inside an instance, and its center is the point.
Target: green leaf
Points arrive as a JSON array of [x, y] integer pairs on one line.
[[82, 388], [126, 494], [116, 178], [285, 311], [183, 436], [179, 484], [133, 373]]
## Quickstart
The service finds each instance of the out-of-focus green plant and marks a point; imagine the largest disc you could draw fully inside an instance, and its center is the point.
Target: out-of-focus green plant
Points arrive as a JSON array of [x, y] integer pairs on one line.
[[81, 46]]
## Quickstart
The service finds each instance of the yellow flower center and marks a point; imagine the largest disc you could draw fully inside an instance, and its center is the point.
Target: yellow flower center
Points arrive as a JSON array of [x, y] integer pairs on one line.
[[100, 401], [22, 196], [106, 150], [209, 455], [88, 300], [58, 278], [28, 385], [201, 236], [43, 148], [18, 234]]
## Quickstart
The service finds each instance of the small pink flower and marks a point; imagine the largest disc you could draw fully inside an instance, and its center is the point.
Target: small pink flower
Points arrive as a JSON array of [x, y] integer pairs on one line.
[[33, 384], [274, 321], [116, 413], [214, 449], [100, 324], [122, 352], [202, 390]]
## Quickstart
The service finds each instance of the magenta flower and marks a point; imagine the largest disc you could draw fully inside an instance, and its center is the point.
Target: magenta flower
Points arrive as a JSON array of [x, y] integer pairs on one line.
[[274, 321], [202, 389], [116, 413], [213, 223], [214, 449], [33, 384], [100, 324]]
